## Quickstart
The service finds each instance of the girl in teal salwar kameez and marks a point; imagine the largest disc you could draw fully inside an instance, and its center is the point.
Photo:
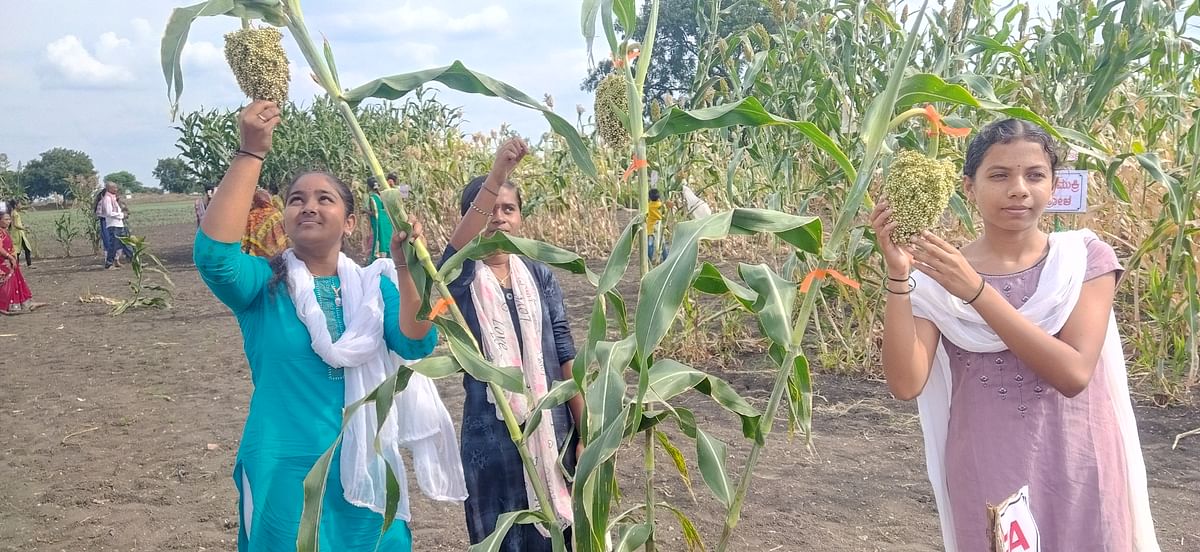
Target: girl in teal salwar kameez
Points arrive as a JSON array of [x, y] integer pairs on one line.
[[296, 409]]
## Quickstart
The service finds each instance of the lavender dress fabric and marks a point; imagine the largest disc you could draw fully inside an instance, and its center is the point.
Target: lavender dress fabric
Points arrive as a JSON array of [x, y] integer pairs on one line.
[[1009, 428]]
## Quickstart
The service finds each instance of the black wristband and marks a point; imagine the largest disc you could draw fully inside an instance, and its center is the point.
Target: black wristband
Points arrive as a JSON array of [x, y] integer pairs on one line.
[[254, 155], [982, 284], [900, 279], [912, 284]]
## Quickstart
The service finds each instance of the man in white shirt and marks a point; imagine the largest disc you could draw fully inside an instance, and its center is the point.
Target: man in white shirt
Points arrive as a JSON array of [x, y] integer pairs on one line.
[[114, 221]]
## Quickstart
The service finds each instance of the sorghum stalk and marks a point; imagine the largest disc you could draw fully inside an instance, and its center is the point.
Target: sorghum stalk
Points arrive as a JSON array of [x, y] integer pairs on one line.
[[636, 133]]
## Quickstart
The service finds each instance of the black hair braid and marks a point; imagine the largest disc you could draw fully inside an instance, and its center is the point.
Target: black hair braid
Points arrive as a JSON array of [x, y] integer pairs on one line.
[[279, 272]]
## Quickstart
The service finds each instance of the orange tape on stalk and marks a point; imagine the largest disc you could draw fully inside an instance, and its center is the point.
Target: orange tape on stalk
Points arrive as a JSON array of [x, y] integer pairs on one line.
[[629, 57], [440, 307], [937, 126], [637, 164], [821, 274]]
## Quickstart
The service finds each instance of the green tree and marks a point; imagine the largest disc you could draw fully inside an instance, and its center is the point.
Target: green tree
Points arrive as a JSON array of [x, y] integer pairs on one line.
[[51, 172], [679, 40], [174, 176], [11, 182], [129, 183]]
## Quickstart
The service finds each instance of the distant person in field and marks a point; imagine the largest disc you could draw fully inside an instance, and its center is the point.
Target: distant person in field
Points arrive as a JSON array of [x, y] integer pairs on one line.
[[320, 332], [1010, 347], [114, 213], [381, 224], [654, 214], [105, 239], [394, 181], [697, 208], [15, 296], [265, 236], [22, 240], [514, 308], [201, 204]]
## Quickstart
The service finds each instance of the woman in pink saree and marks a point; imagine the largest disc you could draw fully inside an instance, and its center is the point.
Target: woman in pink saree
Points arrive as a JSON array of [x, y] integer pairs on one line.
[[15, 297]]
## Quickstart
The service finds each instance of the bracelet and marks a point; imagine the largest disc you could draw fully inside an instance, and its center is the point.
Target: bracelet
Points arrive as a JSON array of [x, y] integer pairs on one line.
[[982, 284], [899, 279], [485, 188], [480, 211], [254, 155], [912, 284]]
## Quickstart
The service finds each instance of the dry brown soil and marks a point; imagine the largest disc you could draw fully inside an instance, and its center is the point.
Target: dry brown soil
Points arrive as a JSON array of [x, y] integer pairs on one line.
[[119, 433]]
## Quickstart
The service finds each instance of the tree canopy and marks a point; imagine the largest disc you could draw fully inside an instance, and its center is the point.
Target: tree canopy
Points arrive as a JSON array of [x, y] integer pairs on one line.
[[679, 40], [52, 171], [174, 176]]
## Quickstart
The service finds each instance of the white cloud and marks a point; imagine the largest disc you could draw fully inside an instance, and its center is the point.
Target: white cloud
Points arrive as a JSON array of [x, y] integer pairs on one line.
[[492, 17], [77, 66], [408, 19], [303, 86], [141, 28], [111, 45], [201, 55], [421, 53]]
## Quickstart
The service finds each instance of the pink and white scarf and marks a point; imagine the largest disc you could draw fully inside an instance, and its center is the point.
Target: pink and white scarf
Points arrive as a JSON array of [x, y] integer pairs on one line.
[[500, 345]]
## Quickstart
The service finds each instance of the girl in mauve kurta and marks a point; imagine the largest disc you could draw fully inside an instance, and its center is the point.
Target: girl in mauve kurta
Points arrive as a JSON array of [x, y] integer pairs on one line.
[[1010, 346], [314, 325]]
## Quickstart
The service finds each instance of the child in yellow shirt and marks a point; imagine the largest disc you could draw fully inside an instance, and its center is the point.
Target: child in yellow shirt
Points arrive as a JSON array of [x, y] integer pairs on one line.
[[654, 213]]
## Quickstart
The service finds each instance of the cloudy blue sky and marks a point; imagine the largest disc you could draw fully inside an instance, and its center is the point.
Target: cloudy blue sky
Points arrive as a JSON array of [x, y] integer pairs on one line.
[[85, 74]]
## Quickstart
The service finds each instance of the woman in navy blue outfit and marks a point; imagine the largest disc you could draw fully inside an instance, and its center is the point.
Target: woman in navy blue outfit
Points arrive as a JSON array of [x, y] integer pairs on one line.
[[495, 477]]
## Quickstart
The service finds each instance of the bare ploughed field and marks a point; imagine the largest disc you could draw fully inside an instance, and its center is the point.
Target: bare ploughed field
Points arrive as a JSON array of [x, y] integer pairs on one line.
[[119, 433]]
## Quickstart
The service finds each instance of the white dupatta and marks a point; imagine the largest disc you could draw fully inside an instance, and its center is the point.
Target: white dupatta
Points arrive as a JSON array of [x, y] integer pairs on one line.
[[1049, 307], [418, 421]]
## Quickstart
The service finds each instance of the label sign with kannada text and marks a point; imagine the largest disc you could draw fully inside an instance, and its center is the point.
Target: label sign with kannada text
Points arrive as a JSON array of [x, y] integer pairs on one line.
[[1070, 192]]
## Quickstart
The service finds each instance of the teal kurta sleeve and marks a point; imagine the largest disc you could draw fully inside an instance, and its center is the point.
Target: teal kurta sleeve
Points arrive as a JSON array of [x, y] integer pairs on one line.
[[237, 279], [410, 349]]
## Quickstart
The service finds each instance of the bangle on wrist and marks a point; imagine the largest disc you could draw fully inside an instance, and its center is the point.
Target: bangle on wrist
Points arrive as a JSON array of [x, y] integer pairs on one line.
[[982, 284], [254, 155], [480, 211], [912, 284], [905, 279]]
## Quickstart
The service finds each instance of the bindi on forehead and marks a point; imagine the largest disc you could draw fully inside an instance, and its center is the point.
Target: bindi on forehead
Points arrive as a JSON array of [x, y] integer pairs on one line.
[[1017, 166]]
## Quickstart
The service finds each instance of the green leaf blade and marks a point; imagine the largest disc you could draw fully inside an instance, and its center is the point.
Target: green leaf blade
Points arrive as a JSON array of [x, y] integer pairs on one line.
[[747, 112], [458, 77], [710, 454]]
